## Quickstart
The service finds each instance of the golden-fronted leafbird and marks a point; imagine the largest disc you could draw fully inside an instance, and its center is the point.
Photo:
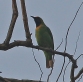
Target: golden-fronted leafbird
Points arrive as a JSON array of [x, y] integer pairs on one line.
[[44, 39]]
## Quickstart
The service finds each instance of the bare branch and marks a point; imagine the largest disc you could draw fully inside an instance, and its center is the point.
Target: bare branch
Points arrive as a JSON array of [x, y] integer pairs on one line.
[[79, 56], [74, 54], [60, 44], [12, 24], [51, 70], [65, 70], [49, 75], [76, 43], [4, 79], [25, 20], [61, 70], [72, 73], [38, 65], [53, 59], [17, 80], [72, 68], [80, 78], [71, 25], [67, 66], [27, 44], [78, 75]]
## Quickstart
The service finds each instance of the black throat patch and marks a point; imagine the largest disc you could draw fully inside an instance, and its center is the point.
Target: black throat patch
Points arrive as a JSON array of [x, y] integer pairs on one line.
[[37, 21]]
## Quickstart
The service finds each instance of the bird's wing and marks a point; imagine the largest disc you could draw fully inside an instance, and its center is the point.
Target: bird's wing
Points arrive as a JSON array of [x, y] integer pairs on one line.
[[49, 31]]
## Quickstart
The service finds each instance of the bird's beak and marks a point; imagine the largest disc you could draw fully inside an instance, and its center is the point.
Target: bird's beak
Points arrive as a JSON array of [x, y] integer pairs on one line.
[[32, 16]]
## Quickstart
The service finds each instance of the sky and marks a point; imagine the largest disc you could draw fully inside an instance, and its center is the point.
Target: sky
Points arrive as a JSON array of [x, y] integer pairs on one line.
[[19, 62]]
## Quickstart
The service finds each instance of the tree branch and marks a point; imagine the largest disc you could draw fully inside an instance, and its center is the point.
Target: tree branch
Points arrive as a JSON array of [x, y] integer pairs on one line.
[[16, 80], [72, 73], [70, 26], [61, 70], [78, 75], [27, 44], [25, 20], [38, 65], [12, 24]]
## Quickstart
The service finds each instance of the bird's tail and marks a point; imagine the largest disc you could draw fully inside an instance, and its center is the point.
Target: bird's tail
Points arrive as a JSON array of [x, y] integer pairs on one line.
[[49, 63], [49, 60]]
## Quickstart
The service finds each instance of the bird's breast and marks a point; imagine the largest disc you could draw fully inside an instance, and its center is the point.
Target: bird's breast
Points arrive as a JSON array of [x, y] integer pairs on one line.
[[39, 27]]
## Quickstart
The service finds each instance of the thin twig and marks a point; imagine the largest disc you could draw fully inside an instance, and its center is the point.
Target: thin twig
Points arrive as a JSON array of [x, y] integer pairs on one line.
[[76, 43], [79, 74], [74, 54], [70, 26], [79, 56], [65, 70], [51, 70], [67, 65], [53, 62], [53, 59], [67, 36], [27, 44], [13, 21], [60, 44], [38, 65], [80, 78], [61, 70], [49, 75]]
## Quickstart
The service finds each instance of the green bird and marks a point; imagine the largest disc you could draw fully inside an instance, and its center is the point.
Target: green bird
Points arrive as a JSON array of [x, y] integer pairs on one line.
[[44, 39]]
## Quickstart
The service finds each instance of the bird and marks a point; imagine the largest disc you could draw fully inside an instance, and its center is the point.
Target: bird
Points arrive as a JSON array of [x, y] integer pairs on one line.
[[44, 39]]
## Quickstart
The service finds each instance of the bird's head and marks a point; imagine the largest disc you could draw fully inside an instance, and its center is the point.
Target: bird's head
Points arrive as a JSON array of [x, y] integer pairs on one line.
[[37, 20]]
